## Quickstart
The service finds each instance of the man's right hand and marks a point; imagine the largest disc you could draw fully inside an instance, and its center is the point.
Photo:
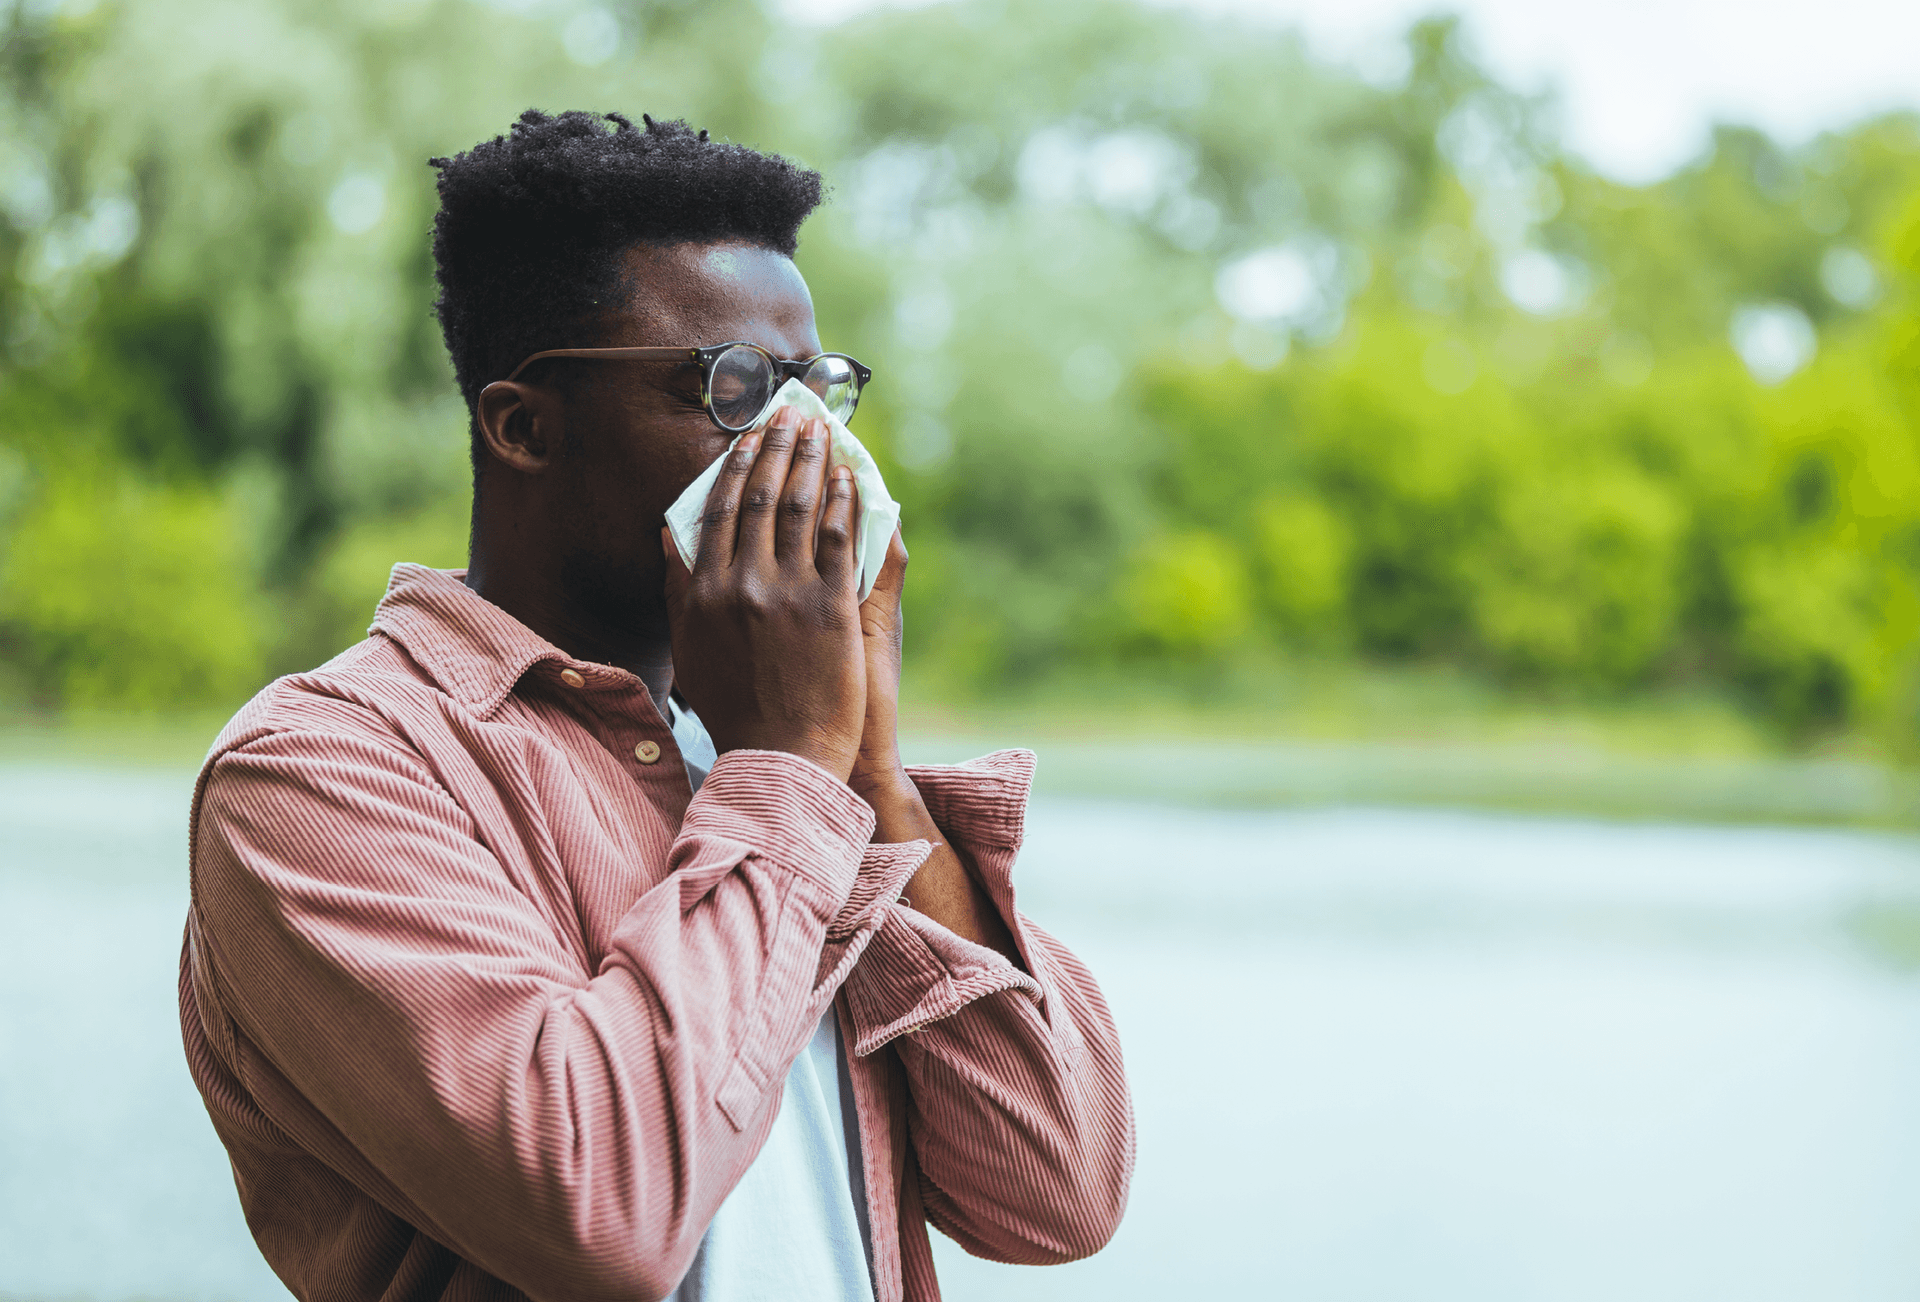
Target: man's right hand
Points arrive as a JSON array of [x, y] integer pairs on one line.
[[767, 646]]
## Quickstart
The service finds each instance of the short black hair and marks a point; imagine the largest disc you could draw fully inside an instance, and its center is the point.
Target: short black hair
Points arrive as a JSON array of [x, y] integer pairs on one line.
[[528, 241]]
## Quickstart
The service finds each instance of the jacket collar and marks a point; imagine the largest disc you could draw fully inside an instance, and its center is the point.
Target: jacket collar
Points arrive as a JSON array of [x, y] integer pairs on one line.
[[474, 650]]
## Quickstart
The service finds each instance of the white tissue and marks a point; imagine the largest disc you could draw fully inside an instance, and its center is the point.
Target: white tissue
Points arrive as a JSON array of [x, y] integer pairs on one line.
[[879, 513]]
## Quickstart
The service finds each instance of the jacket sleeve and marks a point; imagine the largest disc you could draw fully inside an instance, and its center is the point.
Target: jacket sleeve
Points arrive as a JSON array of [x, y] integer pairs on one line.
[[401, 1010], [1020, 1118]]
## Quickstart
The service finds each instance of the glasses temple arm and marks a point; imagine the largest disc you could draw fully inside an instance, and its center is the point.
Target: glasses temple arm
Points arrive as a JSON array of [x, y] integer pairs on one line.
[[624, 354]]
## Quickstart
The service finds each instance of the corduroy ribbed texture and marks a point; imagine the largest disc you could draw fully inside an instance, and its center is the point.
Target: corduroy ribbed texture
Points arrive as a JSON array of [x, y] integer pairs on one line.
[[484, 1006]]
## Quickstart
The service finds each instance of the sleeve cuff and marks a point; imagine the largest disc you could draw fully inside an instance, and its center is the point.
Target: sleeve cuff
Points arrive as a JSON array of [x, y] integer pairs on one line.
[[916, 971], [884, 870], [981, 805], [786, 809]]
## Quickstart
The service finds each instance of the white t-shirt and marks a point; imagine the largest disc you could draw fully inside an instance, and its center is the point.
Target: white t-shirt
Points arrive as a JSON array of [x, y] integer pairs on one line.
[[795, 1227]]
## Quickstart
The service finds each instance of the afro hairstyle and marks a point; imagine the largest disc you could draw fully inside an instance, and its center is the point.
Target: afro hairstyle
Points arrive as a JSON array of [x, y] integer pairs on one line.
[[533, 225]]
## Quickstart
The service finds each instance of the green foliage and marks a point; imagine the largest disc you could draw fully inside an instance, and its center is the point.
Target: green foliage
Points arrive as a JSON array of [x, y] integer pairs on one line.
[[1570, 533], [349, 578], [1303, 551], [1489, 422], [1188, 593], [156, 608]]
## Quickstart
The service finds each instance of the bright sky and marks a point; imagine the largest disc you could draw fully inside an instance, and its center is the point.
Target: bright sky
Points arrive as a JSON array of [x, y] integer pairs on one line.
[[1639, 80]]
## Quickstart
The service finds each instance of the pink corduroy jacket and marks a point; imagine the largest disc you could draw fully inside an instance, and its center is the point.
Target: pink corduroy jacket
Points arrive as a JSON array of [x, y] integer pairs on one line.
[[484, 1005]]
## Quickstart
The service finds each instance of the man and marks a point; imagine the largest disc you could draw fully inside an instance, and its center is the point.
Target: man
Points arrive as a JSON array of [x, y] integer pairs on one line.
[[504, 976]]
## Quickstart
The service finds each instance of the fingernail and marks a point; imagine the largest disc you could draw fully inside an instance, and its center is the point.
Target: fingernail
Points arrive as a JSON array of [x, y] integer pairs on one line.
[[785, 418], [843, 472], [810, 431], [748, 445]]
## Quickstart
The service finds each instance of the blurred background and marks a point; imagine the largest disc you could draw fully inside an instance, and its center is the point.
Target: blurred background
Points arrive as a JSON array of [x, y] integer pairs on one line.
[[1441, 494]]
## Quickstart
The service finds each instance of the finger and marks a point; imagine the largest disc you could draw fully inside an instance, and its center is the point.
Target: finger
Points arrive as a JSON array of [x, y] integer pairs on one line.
[[833, 551], [720, 518], [800, 503], [881, 609], [893, 571], [769, 476]]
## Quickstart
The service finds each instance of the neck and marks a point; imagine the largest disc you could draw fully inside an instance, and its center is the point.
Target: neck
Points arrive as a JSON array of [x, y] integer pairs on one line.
[[529, 583]]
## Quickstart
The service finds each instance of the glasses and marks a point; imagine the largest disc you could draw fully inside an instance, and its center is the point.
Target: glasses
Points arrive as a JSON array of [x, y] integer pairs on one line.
[[738, 380]]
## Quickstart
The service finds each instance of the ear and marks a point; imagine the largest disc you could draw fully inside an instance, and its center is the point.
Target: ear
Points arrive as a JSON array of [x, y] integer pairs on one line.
[[522, 424]]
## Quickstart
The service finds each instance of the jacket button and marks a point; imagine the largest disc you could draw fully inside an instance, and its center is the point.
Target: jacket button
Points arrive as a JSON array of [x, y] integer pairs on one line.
[[572, 678], [647, 752]]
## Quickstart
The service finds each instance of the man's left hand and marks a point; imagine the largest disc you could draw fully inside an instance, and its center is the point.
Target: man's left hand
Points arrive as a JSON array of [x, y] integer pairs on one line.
[[944, 889], [877, 772]]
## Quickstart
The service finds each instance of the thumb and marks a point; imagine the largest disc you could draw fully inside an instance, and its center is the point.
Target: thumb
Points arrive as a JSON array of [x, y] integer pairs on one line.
[[676, 574], [893, 570], [880, 612]]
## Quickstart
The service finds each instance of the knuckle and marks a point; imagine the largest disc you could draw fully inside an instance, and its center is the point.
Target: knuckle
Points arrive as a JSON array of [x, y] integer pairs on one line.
[[797, 505], [759, 499], [836, 532], [748, 597], [716, 513]]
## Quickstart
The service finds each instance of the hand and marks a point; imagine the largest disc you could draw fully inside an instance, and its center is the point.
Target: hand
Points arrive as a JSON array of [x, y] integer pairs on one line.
[[944, 889], [767, 643], [877, 771]]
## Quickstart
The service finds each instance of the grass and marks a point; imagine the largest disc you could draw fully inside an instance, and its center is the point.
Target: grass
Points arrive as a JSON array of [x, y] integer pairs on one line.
[[1290, 736], [142, 740], [1278, 736], [1342, 703]]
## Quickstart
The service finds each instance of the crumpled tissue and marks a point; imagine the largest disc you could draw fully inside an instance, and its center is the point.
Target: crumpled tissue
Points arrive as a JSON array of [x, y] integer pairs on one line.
[[879, 513]]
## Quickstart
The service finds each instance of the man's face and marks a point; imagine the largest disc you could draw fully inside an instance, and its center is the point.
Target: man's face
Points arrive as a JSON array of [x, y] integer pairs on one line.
[[636, 434]]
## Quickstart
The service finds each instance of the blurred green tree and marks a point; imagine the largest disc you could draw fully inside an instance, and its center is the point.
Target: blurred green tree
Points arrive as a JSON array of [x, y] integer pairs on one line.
[[1189, 348]]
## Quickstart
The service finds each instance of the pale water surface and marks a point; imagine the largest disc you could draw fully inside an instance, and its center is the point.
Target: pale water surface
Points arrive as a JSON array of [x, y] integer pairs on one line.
[[1376, 1055]]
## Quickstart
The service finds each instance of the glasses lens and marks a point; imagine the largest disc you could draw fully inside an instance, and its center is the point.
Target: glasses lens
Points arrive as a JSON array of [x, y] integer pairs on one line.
[[833, 379], [740, 387]]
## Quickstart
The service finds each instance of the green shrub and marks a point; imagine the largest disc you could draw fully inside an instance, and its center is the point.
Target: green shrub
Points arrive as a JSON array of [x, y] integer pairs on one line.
[[122, 595], [1578, 581], [1187, 593], [1303, 552], [351, 576]]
